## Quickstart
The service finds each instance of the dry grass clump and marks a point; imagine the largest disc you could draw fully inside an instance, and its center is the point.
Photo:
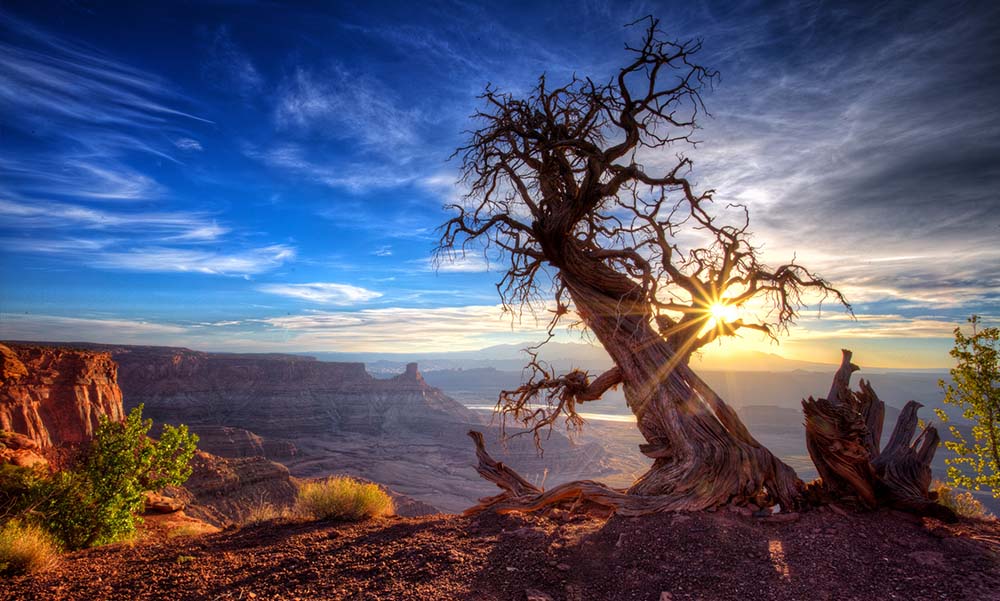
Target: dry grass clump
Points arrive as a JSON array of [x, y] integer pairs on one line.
[[962, 503], [343, 498], [25, 549], [264, 511]]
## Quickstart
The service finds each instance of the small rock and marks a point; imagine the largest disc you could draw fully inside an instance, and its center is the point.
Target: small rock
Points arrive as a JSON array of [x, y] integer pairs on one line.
[[531, 594], [511, 569], [621, 541], [665, 596], [790, 516], [563, 567]]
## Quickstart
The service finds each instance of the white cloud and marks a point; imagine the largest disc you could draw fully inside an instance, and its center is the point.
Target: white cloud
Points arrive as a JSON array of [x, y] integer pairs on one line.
[[347, 105], [457, 263], [326, 293], [167, 260], [188, 144], [401, 329], [17, 326], [59, 215], [355, 177]]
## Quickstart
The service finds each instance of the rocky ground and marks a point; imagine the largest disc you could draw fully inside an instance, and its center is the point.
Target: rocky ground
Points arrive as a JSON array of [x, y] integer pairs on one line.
[[819, 556]]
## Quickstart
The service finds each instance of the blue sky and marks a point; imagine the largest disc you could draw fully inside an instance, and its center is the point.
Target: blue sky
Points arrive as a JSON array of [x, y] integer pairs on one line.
[[250, 176]]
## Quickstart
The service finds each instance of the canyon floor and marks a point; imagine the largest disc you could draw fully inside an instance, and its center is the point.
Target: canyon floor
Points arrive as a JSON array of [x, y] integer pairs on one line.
[[822, 555]]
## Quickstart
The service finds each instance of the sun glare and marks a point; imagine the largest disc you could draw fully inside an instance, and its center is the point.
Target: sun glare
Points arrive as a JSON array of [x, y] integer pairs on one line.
[[723, 313]]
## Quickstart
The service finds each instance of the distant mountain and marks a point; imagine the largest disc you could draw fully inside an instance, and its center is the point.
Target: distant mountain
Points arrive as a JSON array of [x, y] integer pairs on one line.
[[568, 355]]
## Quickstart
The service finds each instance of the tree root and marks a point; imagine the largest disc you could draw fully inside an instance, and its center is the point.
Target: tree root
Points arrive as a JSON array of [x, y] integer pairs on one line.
[[519, 495]]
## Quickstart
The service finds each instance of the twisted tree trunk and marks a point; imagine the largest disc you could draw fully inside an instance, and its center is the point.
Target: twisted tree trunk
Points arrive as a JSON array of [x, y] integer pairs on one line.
[[705, 457], [703, 454]]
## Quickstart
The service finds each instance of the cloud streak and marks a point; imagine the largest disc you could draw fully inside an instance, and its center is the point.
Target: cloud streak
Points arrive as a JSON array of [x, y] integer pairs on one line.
[[324, 293]]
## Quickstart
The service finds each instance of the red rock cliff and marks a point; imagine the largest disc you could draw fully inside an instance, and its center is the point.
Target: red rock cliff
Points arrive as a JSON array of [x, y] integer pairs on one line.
[[56, 395]]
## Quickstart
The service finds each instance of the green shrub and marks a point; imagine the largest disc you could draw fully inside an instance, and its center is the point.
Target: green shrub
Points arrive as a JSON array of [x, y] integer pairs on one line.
[[123, 463], [343, 498], [962, 503], [98, 500], [25, 549]]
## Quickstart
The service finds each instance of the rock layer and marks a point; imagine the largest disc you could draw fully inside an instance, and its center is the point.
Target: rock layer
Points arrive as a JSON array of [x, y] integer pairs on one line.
[[56, 395]]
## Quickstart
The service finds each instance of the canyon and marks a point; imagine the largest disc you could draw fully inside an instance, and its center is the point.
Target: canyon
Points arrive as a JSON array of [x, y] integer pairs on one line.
[[315, 418]]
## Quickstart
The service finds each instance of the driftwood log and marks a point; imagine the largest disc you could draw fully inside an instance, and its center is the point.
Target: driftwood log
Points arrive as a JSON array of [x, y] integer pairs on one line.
[[842, 435]]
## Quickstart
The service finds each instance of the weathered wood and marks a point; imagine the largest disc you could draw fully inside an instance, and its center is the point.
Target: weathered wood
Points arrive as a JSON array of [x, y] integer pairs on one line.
[[843, 435], [704, 456]]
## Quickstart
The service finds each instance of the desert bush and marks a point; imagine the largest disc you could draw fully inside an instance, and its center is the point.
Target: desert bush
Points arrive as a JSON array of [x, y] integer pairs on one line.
[[123, 463], [962, 503], [25, 549], [343, 498], [98, 500], [264, 511]]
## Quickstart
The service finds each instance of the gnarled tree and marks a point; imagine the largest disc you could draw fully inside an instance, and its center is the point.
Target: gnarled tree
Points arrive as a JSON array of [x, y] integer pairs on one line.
[[568, 185]]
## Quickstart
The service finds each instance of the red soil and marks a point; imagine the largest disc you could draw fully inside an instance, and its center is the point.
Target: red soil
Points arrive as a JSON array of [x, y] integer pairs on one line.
[[821, 555]]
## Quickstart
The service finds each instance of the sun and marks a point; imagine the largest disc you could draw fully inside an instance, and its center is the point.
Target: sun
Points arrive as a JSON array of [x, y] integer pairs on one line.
[[722, 313]]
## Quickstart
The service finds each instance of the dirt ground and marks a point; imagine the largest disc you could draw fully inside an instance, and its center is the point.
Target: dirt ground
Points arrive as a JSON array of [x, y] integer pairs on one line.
[[822, 555]]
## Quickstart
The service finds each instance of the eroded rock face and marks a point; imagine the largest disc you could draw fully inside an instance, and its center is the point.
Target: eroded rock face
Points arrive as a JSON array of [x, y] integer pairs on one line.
[[224, 491], [55, 395], [226, 441], [19, 450], [283, 397]]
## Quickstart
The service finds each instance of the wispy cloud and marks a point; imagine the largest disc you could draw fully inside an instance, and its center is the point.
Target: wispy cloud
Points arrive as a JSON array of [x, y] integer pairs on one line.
[[336, 173], [18, 326], [324, 293], [181, 260], [230, 68], [456, 263], [188, 144], [347, 105], [85, 178], [401, 329]]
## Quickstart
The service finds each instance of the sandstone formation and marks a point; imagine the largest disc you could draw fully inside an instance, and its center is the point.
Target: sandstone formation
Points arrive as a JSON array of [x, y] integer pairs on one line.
[[399, 432], [56, 395], [226, 441], [53, 396], [224, 491], [20, 450]]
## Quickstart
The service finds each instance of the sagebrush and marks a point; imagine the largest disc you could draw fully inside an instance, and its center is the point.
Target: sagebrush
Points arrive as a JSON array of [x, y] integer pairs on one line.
[[343, 498]]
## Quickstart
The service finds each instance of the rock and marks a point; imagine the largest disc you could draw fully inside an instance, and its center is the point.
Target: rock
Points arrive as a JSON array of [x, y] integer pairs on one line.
[[563, 567], [225, 491], [531, 594], [665, 596], [778, 518], [56, 395], [18, 449], [156, 503], [230, 442]]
